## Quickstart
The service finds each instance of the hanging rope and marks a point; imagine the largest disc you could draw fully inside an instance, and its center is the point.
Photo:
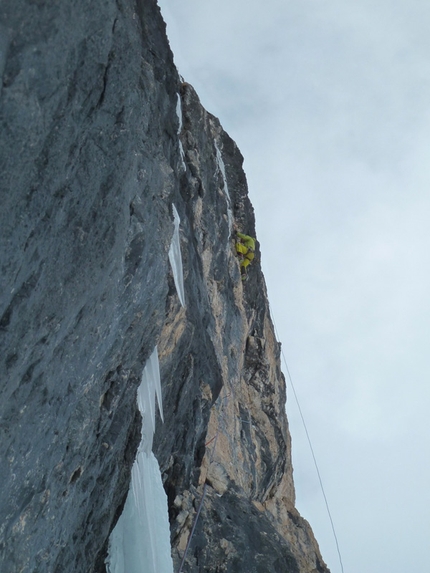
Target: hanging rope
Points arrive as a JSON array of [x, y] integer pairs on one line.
[[215, 438], [310, 446], [194, 527], [199, 509]]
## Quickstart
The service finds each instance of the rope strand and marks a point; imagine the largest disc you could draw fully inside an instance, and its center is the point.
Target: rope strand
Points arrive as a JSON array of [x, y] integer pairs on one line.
[[310, 447], [215, 439], [199, 509]]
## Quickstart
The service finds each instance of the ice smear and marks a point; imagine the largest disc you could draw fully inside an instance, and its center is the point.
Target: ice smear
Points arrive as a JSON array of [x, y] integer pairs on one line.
[[140, 541], [182, 152], [179, 114], [175, 258], [221, 167]]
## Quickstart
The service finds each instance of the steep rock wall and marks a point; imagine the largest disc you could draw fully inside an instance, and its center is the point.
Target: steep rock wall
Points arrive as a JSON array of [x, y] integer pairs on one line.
[[88, 148], [91, 163], [226, 435]]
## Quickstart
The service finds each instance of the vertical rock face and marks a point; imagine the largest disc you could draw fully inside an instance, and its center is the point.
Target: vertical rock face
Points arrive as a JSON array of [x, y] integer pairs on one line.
[[88, 153], [94, 149], [225, 447]]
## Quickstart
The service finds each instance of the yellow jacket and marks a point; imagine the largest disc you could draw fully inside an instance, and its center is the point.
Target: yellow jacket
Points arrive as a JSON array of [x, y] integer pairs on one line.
[[247, 241], [245, 247]]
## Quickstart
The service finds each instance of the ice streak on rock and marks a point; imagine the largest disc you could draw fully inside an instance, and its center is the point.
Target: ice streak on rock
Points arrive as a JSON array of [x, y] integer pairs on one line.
[[175, 258]]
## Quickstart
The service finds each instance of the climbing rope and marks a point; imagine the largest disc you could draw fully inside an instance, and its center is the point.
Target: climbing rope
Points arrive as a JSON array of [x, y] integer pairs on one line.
[[215, 438], [199, 509], [310, 445], [194, 527]]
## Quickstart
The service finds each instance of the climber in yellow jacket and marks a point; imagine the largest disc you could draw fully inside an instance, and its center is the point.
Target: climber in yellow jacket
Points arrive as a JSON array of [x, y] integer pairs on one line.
[[245, 248]]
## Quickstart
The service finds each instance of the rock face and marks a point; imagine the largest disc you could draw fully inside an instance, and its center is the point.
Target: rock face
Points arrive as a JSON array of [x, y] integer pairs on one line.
[[224, 390], [94, 150]]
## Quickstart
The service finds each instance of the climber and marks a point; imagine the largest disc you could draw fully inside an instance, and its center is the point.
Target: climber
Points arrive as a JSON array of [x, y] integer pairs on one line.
[[245, 247]]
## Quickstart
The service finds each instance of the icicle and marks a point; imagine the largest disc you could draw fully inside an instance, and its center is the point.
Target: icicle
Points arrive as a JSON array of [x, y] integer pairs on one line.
[[146, 403], [148, 389], [151, 374], [176, 258], [221, 167]]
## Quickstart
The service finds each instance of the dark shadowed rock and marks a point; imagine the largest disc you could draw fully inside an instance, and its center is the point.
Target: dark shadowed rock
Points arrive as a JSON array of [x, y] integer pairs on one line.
[[87, 153], [91, 162]]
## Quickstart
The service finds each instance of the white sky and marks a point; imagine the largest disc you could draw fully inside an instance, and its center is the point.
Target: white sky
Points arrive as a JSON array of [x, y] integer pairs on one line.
[[329, 103]]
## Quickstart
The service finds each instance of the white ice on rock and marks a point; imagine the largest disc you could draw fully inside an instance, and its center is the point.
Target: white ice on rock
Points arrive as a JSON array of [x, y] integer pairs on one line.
[[221, 167], [175, 258], [150, 387], [179, 114], [140, 542]]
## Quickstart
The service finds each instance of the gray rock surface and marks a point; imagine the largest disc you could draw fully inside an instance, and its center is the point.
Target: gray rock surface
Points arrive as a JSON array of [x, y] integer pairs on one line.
[[91, 163], [87, 151], [225, 438]]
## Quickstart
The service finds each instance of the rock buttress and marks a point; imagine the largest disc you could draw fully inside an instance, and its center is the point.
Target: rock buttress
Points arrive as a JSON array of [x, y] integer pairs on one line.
[[226, 433], [88, 152]]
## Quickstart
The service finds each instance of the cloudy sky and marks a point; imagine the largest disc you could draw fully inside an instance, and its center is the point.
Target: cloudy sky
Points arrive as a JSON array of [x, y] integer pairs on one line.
[[329, 102]]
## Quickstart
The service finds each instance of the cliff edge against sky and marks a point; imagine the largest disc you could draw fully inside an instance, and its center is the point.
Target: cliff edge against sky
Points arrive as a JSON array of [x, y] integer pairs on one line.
[[99, 138]]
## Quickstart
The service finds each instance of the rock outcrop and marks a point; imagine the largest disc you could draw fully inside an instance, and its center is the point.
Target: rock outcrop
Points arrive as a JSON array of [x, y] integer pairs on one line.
[[94, 150]]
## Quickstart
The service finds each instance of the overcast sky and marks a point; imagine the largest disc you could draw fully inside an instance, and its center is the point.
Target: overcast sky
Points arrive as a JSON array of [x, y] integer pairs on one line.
[[329, 103]]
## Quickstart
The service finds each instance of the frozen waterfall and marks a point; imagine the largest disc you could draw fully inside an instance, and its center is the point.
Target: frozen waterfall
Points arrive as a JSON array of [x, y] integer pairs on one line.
[[140, 541]]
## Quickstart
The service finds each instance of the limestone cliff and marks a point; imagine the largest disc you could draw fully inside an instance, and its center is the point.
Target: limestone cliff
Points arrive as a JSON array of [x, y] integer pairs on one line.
[[94, 150]]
